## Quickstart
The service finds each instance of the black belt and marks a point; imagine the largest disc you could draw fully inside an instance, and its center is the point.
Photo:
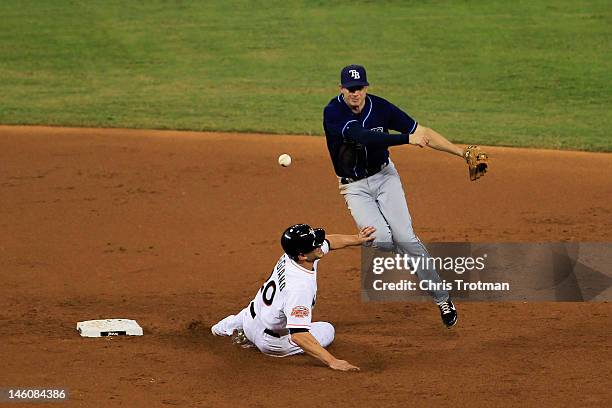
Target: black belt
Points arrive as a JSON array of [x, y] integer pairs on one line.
[[271, 333], [348, 180], [267, 331]]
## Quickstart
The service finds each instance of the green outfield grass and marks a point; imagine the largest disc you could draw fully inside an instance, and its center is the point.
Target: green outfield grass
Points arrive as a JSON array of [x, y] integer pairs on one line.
[[518, 73]]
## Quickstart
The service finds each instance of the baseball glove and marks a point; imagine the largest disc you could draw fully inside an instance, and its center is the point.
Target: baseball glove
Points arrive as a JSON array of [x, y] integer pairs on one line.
[[477, 160]]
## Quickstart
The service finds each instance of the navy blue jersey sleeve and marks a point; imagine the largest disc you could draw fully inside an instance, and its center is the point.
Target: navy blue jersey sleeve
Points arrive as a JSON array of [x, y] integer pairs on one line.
[[399, 120], [354, 131]]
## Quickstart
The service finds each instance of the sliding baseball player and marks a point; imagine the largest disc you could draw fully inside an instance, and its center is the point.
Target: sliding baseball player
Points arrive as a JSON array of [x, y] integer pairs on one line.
[[278, 321]]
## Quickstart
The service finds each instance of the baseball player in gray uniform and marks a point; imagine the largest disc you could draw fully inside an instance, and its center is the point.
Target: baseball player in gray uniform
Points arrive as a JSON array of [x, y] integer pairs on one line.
[[357, 128], [278, 321]]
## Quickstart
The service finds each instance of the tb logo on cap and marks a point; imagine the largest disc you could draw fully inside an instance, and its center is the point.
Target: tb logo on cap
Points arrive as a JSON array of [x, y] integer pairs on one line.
[[353, 75]]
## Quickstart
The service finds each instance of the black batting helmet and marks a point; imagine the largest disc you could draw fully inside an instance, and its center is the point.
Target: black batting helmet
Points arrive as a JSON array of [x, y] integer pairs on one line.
[[301, 239]]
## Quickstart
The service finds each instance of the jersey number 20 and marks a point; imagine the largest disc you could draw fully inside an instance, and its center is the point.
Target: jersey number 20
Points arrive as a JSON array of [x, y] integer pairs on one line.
[[268, 291]]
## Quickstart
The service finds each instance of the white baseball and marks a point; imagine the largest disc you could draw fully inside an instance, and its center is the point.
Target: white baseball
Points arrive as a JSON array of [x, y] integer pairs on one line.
[[284, 160]]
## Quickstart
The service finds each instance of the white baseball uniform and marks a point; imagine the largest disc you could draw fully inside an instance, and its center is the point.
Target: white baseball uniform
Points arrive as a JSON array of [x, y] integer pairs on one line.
[[285, 301]]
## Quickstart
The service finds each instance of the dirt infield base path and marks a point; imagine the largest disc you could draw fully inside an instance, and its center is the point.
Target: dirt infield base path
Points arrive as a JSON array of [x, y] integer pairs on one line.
[[178, 229]]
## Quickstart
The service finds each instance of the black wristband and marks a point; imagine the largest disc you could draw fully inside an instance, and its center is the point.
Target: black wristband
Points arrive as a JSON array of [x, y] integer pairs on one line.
[[298, 330]]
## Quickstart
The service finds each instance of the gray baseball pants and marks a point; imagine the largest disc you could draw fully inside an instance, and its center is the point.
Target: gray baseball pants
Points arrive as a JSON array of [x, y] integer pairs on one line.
[[379, 201]]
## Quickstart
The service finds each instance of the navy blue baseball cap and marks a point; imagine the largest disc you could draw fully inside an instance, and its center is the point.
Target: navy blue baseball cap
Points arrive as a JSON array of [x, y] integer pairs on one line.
[[353, 75]]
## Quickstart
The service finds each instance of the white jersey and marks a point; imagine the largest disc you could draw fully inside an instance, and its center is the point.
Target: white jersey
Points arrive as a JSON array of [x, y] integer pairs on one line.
[[287, 298]]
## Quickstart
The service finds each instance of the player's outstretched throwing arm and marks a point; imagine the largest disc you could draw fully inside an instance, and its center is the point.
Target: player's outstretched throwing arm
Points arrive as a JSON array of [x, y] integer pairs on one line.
[[424, 136], [477, 160]]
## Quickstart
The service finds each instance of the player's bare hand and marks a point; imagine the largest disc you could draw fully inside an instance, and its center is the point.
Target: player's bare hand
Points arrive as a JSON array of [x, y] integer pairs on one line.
[[419, 139], [366, 234], [342, 365]]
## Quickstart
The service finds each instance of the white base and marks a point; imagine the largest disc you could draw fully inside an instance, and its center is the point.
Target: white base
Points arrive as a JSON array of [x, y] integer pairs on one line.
[[109, 327]]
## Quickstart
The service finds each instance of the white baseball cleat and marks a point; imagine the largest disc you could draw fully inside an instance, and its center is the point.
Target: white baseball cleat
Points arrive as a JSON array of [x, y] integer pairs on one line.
[[216, 331]]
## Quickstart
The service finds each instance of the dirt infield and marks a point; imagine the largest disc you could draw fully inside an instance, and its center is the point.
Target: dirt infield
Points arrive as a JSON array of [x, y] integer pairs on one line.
[[178, 229]]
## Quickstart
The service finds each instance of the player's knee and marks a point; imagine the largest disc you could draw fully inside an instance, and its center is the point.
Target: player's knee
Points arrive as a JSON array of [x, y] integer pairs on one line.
[[327, 328], [406, 238], [413, 248], [384, 246], [331, 330], [325, 333], [383, 239]]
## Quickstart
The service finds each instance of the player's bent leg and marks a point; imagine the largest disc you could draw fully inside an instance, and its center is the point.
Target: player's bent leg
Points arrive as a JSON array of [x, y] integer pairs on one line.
[[324, 332], [394, 208], [226, 326], [283, 346], [366, 212]]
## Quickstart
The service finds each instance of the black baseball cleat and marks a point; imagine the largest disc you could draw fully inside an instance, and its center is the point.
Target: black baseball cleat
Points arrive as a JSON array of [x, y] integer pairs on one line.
[[448, 313]]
